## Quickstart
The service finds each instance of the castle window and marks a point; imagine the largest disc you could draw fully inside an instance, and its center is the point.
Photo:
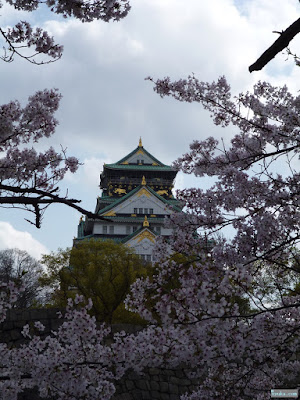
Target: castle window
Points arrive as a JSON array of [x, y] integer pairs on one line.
[[148, 257], [111, 229], [151, 211], [158, 230], [137, 161], [128, 230], [134, 228], [145, 210], [135, 210], [142, 161], [140, 211], [104, 229]]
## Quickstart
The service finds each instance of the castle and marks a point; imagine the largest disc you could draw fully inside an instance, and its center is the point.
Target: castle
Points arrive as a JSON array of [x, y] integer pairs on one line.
[[136, 198]]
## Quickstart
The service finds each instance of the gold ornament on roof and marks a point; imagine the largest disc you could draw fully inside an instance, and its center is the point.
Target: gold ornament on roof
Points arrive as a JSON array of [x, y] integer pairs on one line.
[[143, 191], [162, 192], [145, 235], [120, 191], [81, 219], [140, 142], [146, 223], [110, 214], [144, 181]]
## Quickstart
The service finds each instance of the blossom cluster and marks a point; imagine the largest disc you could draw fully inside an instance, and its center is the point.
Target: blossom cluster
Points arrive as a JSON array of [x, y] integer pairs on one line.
[[23, 167], [29, 178], [22, 37], [86, 11], [23, 34]]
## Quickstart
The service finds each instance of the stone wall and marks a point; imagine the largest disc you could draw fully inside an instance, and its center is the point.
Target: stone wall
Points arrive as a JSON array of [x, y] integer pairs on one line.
[[10, 329], [154, 383]]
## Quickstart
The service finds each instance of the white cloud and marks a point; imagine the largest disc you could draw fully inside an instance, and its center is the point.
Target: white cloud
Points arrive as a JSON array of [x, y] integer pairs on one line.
[[11, 238]]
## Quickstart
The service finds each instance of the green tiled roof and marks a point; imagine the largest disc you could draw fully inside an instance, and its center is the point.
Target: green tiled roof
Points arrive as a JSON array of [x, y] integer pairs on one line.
[[107, 198], [141, 167], [145, 151], [137, 220], [102, 239]]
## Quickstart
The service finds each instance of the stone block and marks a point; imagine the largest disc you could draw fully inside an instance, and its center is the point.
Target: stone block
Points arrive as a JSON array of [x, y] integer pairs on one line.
[[123, 396], [17, 315], [132, 376], [174, 379], [52, 313], [19, 324], [16, 335], [137, 395], [38, 314], [143, 384], [154, 385], [6, 326], [184, 382], [164, 387], [184, 389], [154, 371], [55, 324], [169, 372], [173, 388], [155, 378], [155, 395], [179, 373], [130, 385], [146, 395]]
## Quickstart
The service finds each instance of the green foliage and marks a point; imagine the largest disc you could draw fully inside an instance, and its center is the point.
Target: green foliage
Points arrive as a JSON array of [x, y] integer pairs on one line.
[[100, 270], [54, 264]]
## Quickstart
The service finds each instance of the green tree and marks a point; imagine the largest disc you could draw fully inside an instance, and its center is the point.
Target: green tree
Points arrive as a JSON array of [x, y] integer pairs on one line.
[[100, 270], [50, 279]]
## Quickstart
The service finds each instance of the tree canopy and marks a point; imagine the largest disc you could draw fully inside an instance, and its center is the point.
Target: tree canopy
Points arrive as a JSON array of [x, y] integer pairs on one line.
[[19, 267], [98, 270]]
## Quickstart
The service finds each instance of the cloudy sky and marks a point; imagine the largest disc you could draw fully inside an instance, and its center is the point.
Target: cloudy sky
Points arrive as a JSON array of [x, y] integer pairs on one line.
[[107, 104]]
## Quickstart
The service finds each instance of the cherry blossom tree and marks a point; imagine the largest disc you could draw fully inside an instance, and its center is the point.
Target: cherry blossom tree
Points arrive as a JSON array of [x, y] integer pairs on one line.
[[243, 353], [193, 300], [29, 179]]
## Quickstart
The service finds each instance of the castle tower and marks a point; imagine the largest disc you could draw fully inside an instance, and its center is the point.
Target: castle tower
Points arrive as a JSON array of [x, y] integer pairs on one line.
[[136, 198]]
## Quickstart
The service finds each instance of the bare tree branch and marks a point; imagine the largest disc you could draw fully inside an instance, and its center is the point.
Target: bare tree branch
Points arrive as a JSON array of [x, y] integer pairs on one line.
[[280, 44], [36, 197]]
